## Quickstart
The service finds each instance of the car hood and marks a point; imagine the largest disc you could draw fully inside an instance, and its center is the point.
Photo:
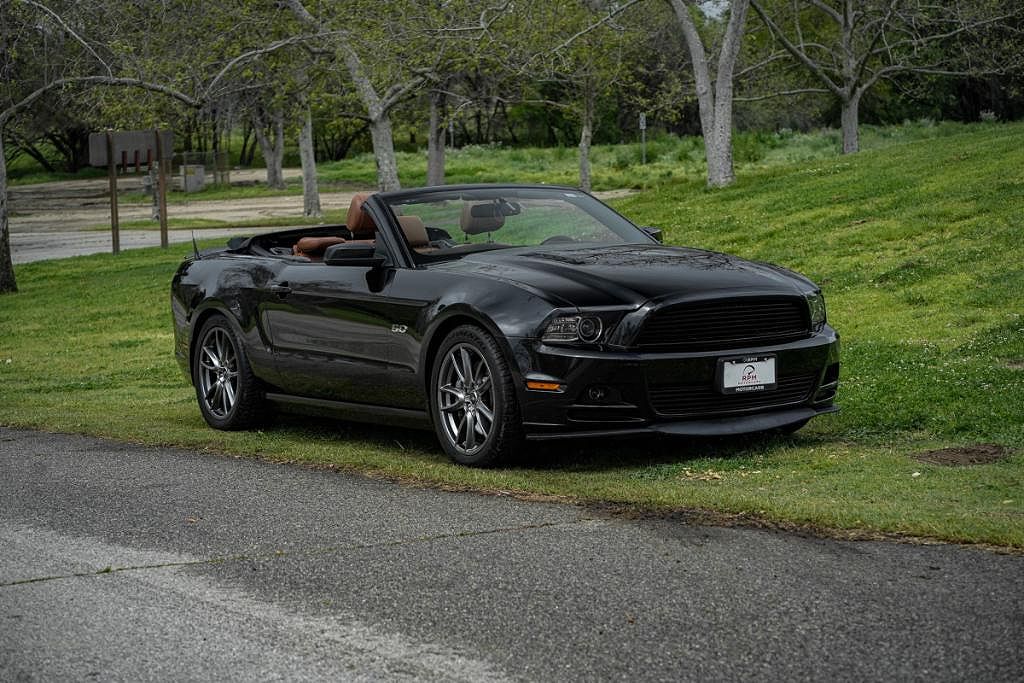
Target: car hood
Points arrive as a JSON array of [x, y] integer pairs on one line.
[[629, 274]]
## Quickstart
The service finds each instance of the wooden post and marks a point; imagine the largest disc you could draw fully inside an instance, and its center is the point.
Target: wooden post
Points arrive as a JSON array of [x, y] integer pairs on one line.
[[115, 229], [162, 186]]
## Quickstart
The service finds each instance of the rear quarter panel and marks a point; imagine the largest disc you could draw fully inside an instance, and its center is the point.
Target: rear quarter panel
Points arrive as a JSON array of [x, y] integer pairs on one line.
[[230, 285]]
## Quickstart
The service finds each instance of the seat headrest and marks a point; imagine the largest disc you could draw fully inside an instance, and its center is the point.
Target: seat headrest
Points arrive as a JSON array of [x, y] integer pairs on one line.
[[476, 225], [415, 231], [358, 221]]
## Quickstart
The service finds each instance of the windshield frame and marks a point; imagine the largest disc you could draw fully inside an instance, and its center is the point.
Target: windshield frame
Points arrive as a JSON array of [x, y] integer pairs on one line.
[[586, 202]]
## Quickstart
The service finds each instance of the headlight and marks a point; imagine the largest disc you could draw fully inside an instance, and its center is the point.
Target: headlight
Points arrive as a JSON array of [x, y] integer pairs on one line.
[[588, 329], [816, 306]]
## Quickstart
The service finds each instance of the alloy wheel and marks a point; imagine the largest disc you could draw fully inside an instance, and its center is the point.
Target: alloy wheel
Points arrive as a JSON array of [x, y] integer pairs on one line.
[[218, 372], [465, 397]]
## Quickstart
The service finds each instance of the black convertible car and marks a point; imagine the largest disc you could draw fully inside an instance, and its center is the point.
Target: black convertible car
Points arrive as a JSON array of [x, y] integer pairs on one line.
[[498, 314]]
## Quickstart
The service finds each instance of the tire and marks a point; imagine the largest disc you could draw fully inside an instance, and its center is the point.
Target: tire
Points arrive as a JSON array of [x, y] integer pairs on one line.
[[230, 396], [476, 418]]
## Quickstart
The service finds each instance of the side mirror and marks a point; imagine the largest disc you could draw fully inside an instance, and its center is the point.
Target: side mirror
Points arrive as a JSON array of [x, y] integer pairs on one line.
[[653, 233], [353, 254]]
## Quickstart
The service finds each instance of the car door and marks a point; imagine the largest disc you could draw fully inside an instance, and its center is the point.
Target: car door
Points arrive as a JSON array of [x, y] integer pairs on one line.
[[331, 332]]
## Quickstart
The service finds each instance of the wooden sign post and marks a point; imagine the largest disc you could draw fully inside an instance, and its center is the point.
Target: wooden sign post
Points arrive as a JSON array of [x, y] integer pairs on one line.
[[107, 147], [643, 138], [161, 175], [115, 227]]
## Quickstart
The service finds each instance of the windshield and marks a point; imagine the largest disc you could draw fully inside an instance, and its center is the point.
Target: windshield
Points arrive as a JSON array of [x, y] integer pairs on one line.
[[449, 224]]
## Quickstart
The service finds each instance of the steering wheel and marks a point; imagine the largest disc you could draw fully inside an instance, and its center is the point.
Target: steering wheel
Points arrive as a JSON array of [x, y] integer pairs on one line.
[[558, 239]]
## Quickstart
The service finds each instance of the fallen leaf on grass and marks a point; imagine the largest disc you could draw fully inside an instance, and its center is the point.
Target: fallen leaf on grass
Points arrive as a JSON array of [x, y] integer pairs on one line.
[[706, 475]]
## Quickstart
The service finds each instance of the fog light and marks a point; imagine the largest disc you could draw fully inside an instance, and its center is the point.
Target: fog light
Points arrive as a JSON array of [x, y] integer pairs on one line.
[[596, 394]]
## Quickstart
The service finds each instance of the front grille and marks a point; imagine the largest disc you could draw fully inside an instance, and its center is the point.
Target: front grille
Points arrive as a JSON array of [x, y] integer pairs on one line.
[[725, 324], [700, 399]]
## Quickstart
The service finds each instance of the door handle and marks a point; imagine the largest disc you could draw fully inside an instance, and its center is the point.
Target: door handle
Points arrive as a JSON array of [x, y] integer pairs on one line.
[[281, 289]]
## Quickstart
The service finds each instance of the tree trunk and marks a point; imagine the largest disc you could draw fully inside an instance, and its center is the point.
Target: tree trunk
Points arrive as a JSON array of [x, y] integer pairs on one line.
[[33, 151], [715, 100], [310, 191], [384, 153], [850, 119], [718, 151], [215, 137], [7, 281], [586, 134], [246, 137], [273, 150], [435, 140]]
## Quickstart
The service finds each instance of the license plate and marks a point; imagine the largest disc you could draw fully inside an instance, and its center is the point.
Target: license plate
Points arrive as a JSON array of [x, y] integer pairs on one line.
[[752, 373]]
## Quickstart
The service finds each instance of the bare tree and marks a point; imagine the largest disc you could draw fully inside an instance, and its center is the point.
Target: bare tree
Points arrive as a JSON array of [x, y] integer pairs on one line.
[[848, 46], [399, 49], [714, 91], [268, 125], [435, 137], [378, 105], [589, 64], [307, 154]]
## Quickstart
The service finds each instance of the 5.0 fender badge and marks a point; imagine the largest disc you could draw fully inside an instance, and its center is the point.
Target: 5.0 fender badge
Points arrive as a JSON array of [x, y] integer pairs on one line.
[[399, 329]]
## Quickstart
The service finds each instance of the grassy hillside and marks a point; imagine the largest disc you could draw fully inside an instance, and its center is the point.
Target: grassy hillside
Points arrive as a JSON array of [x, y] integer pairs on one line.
[[916, 247]]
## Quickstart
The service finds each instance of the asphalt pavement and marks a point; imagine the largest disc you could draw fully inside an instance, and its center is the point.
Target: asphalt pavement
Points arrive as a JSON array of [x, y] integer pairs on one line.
[[123, 562]]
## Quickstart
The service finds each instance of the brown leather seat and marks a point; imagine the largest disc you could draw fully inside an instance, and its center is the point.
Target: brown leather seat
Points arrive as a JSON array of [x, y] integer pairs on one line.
[[313, 248], [415, 233], [358, 221]]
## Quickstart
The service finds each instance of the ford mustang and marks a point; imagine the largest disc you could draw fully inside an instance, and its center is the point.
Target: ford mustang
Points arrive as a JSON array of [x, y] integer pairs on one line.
[[500, 314]]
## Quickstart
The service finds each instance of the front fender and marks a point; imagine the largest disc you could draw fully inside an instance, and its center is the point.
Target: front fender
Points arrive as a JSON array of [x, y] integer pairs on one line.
[[509, 314]]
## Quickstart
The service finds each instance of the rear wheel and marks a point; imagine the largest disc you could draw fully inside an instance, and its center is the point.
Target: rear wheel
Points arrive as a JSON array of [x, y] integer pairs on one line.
[[473, 401], [230, 397]]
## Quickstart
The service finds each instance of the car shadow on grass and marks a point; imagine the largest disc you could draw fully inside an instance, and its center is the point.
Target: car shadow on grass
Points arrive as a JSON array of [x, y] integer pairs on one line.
[[570, 455], [593, 455]]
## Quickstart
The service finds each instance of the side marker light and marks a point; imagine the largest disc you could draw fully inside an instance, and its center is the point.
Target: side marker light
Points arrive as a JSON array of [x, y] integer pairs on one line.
[[543, 386]]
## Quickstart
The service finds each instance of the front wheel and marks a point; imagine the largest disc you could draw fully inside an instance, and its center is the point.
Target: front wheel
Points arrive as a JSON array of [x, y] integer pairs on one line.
[[230, 396], [473, 400]]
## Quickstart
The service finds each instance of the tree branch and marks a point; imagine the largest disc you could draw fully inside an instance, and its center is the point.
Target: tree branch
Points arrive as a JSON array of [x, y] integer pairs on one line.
[[597, 24], [6, 114], [799, 54], [56, 17], [829, 10], [252, 54], [782, 93]]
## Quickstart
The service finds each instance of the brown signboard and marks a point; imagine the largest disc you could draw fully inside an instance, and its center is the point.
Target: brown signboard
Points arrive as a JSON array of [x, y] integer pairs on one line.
[[131, 147]]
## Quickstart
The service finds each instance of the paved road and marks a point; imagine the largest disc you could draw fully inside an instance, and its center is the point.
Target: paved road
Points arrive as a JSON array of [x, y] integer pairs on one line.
[[128, 563]]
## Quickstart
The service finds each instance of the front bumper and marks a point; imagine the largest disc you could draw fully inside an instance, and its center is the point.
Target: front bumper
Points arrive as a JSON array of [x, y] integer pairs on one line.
[[612, 393]]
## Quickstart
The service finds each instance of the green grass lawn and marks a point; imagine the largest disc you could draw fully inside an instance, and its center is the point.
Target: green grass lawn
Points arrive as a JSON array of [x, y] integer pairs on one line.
[[917, 247]]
